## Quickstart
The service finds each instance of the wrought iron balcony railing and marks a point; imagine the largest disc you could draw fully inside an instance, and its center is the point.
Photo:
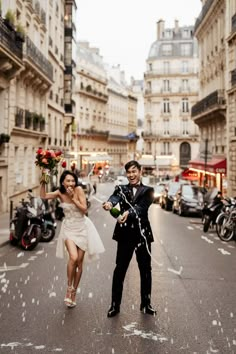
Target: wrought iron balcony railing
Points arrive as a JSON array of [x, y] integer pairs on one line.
[[8, 40], [34, 54], [215, 99]]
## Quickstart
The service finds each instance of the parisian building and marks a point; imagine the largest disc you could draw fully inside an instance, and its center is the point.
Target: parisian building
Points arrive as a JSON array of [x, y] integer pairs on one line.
[[171, 138], [37, 109], [210, 112], [106, 113], [231, 95]]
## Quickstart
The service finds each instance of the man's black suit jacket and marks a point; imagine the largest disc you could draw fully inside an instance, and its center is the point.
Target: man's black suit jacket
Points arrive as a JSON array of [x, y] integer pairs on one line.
[[137, 223]]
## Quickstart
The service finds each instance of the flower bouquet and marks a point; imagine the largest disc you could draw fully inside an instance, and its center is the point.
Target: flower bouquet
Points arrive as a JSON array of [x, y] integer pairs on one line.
[[47, 160]]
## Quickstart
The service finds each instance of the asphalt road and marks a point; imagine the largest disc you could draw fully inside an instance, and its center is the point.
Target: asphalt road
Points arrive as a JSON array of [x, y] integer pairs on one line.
[[194, 291]]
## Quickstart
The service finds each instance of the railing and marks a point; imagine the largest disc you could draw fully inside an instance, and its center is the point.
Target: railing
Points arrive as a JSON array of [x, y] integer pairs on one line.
[[203, 13], [216, 98], [8, 40], [29, 120], [34, 54], [171, 71]]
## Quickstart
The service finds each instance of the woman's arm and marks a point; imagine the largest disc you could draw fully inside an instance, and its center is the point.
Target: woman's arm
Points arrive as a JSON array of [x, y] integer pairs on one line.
[[79, 199], [50, 195]]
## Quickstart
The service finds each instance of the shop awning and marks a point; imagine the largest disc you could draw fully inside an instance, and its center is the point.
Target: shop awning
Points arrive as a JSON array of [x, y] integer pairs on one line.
[[215, 165], [189, 175], [97, 158], [147, 162]]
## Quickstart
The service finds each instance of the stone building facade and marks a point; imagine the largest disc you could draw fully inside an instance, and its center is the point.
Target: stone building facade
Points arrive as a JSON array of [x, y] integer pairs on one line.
[[210, 112], [171, 89], [106, 113], [32, 91], [231, 93]]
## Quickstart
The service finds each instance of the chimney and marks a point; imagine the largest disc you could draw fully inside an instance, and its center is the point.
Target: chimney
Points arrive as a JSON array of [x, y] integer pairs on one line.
[[176, 26], [160, 29]]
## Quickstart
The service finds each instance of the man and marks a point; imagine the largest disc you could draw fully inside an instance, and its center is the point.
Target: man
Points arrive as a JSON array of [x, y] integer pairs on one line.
[[132, 233]]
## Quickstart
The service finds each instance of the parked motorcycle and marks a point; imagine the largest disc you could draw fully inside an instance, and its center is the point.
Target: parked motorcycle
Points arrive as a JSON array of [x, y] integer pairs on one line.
[[211, 210], [25, 227], [226, 222]]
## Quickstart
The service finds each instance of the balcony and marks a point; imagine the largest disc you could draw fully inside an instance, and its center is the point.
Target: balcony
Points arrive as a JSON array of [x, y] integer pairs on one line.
[[10, 52], [172, 71], [209, 106], [25, 119], [36, 63]]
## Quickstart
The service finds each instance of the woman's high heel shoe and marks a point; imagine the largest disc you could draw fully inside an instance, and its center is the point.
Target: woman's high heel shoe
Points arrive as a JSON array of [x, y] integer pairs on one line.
[[67, 299], [73, 295]]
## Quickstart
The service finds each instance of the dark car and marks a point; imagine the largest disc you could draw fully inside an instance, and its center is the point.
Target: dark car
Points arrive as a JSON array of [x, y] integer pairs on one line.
[[188, 200], [158, 190], [167, 196]]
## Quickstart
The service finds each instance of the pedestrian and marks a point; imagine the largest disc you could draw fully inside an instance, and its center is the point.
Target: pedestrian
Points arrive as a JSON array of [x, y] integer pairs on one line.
[[78, 234], [132, 233]]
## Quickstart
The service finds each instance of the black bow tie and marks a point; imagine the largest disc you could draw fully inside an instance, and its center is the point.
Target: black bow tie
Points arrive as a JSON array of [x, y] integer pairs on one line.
[[135, 186]]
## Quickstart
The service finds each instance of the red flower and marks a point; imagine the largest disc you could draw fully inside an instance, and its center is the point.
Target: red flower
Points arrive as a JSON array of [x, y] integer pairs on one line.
[[47, 160], [63, 164]]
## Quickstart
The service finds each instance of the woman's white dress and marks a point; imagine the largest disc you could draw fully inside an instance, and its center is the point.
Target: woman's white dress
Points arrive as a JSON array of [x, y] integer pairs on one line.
[[80, 229]]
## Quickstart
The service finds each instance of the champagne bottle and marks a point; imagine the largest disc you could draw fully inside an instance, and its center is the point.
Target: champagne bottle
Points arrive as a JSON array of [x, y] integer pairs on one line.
[[115, 212]]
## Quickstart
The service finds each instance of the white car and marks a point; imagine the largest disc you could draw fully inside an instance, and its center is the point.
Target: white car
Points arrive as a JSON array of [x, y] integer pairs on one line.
[[120, 180]]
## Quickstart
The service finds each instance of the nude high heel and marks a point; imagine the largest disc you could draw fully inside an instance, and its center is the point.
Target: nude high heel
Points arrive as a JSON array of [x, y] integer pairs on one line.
[[67, 299]]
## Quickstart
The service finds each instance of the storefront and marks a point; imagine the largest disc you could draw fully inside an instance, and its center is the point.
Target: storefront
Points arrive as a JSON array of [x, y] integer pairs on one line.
[[211, 173]]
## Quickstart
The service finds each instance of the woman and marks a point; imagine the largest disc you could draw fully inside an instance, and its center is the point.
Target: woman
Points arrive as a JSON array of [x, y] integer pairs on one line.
[[77, 231]]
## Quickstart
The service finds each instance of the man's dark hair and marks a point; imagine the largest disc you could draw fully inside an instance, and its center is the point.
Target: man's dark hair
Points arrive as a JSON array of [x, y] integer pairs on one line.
[[131, 164]]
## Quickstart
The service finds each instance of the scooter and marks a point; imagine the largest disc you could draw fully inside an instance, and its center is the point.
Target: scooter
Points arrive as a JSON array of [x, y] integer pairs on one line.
[[25, 227], [210, 212]]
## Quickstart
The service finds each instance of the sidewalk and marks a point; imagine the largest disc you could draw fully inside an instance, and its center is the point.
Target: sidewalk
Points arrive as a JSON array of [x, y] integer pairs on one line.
[[4, 228]]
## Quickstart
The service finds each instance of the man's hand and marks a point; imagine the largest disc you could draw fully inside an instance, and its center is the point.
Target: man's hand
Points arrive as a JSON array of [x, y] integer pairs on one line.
[[122, 218], [107, 206]]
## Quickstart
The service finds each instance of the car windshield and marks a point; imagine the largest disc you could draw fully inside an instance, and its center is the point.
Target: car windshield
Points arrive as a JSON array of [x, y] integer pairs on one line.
[[190, 191], [173, 187], [159, 188]]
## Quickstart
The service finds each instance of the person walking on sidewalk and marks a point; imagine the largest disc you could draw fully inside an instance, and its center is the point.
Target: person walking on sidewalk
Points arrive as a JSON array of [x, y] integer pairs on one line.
[[132, 233]]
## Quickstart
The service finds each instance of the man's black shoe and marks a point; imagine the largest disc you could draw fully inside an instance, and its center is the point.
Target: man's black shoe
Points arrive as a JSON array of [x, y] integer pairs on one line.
[[148, 309], [113, 311]]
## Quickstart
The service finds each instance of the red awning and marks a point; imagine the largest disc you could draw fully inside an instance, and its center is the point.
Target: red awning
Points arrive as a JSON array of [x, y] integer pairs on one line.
[[189, 175], [215, 165]]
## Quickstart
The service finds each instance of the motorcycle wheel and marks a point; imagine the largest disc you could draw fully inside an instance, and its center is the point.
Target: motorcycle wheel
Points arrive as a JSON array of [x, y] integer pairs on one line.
[[206, 223], [48, 235], [227, 231], [221, 219], [26, 240]]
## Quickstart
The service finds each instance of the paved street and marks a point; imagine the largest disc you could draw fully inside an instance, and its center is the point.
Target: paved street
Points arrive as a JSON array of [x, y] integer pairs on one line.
[[193, 291]]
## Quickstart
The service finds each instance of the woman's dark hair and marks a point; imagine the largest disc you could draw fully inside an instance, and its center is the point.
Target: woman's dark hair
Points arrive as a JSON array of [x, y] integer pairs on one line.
[[131, 164], [63, 176]]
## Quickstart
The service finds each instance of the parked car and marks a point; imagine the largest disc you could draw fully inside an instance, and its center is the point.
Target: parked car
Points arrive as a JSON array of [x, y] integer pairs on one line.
[[167, 196], [158, 190], [188, 200], [120, 180]]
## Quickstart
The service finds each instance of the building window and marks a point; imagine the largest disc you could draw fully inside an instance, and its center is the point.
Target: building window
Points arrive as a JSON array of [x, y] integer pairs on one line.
[[184, 85], [185, 49], [166, 106], [166, 67], [166, 148], [185, 127], [166, 127], [184, 68], [185, 105], [166, 85], [166, 49], [150, 66]]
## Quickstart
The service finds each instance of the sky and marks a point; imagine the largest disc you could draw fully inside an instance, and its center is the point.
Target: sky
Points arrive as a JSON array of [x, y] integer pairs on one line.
[[124, 30]]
